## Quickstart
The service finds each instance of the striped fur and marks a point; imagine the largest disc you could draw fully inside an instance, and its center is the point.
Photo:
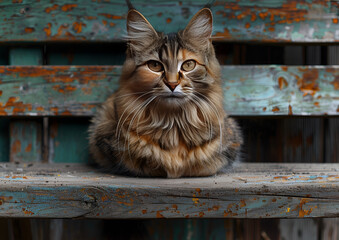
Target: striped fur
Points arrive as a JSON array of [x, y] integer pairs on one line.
[[148, 129]]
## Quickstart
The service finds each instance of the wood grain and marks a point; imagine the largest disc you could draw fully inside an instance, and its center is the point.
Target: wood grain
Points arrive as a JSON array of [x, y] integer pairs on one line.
[[248, 191], [234, 20], [249, 90], [25, 135]]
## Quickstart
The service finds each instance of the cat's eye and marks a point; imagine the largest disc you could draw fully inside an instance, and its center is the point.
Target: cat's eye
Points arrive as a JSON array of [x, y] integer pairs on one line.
[[155, 66], [188, 65]]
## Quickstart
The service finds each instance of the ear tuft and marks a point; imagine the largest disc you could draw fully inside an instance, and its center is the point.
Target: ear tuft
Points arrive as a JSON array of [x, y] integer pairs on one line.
[[140, 32], [199, 29]]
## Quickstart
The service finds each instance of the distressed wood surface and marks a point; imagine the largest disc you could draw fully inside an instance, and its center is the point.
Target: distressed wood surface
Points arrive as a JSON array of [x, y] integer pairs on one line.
[[249, 90], [248, 191], [268, 21], [25, 135]]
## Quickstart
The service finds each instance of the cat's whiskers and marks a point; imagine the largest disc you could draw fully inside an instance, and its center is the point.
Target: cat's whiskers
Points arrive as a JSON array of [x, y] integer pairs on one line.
[[127, 108], [120, 130], [142, 108], [128, 94], [117, 130], [138, 120], [215, 110], [206, 117]]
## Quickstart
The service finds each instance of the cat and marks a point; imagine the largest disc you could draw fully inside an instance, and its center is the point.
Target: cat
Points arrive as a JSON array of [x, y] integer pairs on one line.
[[167, 118]]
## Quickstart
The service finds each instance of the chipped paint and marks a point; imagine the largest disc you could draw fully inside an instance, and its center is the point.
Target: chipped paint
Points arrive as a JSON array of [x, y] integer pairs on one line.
[[249, 90], [101, 196], [273, 21]]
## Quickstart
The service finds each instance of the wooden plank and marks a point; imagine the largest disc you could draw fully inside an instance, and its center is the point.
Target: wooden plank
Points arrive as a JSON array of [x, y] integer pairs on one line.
[[4, 123], [330, 229], [84, 54], [248, 191], [25, 56], [301, 229], [332, 124], [302, 141], [25, 135], [4, 140], [68, 141], [197, 229], [68, 137], [249, 90], [234, 20], [25, 141]]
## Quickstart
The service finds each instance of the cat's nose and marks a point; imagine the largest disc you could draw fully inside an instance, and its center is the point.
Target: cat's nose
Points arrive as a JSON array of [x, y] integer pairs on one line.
[[172, 86], [172, 81]]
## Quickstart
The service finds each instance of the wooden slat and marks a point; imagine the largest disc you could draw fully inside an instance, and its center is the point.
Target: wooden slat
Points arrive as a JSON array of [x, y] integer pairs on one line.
[[68, 140], [25, 140], [248, 191], [4, 140], [25, 135], [301, 229], [234, 20], [249, 90]]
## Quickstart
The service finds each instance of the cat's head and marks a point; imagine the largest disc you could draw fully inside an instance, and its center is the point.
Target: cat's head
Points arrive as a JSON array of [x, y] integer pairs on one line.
[[174, 68]]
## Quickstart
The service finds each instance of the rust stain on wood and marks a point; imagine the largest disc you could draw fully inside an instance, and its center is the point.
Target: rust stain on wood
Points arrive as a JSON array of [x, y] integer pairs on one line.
[[27, 211], [282, 83], [275, 109], [48, 29], [303, 212], [28, 148], [110, 16], [64, 88], [242, 203], [16, 147], [308, 83], [335, 83], [290, 112], [159, 215], [29, 30], [214, 208], [77, 26], [53, 8], [68, 7]]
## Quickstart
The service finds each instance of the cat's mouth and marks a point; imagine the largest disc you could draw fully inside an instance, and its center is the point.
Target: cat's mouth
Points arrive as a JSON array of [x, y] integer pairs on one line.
[[173, 95]]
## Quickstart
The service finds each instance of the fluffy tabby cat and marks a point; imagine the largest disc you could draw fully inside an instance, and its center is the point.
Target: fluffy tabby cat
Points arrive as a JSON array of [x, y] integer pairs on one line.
[[167, 117]]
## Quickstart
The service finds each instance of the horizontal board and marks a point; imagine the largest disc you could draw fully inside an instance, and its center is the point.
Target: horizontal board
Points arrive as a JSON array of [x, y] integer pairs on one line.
[[249, 190], [248, 90], [234, 20]]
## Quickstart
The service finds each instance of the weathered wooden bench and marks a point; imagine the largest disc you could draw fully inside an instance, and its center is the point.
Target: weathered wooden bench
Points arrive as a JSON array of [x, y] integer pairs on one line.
[[61, 60]]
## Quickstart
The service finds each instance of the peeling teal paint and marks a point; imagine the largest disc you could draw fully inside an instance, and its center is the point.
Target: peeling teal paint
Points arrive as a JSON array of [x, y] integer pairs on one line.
[[233, 20]]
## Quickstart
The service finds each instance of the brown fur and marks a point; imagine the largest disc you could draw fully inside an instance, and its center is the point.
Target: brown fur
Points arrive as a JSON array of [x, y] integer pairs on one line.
[[146, 129]]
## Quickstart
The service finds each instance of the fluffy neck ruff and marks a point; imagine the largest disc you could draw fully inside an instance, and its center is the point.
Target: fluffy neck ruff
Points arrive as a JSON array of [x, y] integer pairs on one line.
[[191, 123]]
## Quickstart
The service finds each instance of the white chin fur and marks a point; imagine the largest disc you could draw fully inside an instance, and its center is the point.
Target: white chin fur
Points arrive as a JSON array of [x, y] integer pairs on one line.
[[178, 89]]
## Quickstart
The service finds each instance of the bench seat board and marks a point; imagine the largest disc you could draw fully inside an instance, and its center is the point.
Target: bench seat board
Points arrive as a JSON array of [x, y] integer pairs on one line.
[[249, 190], [234, 20], [249, 90]]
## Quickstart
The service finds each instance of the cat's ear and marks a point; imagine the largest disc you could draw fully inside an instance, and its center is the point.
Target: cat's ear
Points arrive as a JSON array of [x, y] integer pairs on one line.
[[140, 33], [199, 29]]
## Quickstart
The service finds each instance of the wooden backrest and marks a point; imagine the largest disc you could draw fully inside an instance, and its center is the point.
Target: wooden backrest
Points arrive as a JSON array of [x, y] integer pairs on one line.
[[90, 21], [61, 59], [52, 33], [63, 33]]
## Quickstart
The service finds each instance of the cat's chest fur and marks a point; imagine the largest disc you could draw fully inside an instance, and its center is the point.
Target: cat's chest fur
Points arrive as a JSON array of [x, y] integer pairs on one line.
[[177, 145]]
